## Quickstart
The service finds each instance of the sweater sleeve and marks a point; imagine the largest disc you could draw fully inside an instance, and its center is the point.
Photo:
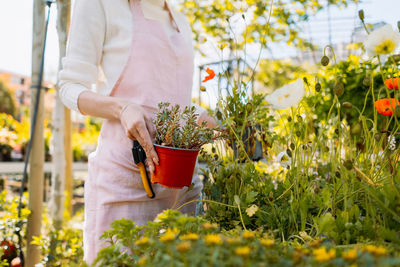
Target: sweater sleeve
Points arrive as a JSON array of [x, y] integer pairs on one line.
[[84, 51]]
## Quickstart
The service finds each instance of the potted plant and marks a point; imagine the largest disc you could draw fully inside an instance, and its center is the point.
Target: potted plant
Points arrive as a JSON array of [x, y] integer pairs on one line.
[[177, 141]]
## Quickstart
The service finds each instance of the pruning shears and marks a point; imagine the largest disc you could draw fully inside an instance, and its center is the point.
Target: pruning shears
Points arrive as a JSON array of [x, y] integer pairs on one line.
[[139, 156]]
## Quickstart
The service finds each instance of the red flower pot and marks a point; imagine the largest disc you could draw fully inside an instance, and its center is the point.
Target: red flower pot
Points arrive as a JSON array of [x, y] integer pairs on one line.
[[176, 166]]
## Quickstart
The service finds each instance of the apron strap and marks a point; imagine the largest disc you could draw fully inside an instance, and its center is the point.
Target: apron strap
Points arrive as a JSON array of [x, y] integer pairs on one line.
[[171, 15], [137, 10]]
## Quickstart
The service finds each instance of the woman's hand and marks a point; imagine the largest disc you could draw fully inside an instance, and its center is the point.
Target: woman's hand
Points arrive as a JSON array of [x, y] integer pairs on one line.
[[132, 116], [138, 126]]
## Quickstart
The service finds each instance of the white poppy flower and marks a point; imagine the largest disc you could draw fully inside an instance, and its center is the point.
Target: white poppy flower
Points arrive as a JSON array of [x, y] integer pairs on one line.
[[283, 159], [382, 41], [287, 96]]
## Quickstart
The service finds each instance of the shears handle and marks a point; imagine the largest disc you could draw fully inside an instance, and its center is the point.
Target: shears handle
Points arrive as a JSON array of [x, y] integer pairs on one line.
[[139, 156]]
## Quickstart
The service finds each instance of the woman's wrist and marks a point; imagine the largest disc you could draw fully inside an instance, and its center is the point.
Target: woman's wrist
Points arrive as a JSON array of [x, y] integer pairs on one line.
[[119, 108]]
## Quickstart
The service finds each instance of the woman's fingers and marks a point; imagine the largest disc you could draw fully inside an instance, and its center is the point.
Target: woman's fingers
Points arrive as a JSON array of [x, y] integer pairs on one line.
[[147, 144], [150, 127]]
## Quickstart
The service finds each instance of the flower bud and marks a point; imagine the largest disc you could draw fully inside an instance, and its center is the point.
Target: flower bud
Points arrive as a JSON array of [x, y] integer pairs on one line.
[[292, 146], [367, 81], [249, 107], [219, 115], [317, 87], [289, 153], [324, 61], [289, 119], [356, 128], [347, 105], [348, 164], [337, 174], [305, 80], [338, 88], [202, 88], [361, 14], [298, 133], [378, 136]]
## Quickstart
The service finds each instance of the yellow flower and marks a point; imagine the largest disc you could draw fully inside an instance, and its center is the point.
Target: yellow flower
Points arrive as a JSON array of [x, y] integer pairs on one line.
[[322, 255], [232, 240], [377, 251], [169, 235], [213, 239], [183, 247], [142, 261], [209, 226], [142, 241], [350, 255], [248, 235], [222, 46], [252, 210], [202, 39], [268, 242], [242, 251], [190, 236]]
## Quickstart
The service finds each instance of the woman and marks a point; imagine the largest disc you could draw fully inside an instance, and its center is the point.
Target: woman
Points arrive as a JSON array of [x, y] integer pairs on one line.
[[138, 53]]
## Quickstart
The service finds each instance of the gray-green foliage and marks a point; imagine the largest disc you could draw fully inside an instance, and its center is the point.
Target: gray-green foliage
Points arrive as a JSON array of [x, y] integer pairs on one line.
[[179, 128]]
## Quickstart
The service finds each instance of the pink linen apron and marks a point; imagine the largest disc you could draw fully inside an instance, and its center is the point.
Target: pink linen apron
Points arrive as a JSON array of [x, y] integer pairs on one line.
[[159, 69]]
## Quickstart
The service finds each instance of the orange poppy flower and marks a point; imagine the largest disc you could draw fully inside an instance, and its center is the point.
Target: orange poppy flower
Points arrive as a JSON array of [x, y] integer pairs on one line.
[[389, 83], [386, 106], [211, 75]]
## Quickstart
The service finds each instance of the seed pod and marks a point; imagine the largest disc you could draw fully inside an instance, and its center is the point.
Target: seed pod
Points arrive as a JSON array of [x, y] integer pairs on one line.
[[202, 88], [317, 87], [216, 157], [367, 81], [347, 105], [397, 111], [289, 119], [213, 150], [361, 14], [338, 88], [348, 164], [324, 61], [292, 146], [289, 152], [398, 25], [298, 133], [337, 174]]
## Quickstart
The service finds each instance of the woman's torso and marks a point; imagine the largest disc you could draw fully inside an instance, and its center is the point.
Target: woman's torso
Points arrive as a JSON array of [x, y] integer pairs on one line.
[[117, 41]]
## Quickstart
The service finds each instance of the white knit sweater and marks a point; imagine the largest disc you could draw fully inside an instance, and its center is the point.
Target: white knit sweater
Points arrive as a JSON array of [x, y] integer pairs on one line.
[[98, 44]]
